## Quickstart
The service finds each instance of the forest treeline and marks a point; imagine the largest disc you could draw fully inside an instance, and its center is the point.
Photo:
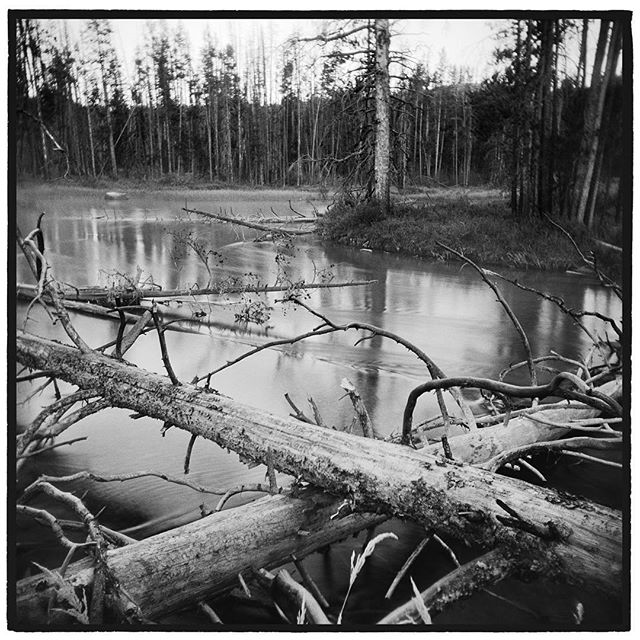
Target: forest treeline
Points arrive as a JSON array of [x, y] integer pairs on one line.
[[552, 138]]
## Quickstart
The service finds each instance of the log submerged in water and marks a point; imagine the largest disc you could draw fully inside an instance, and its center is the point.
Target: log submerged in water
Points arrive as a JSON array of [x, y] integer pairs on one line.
[[577, 539], [198, 560], [112, 297]]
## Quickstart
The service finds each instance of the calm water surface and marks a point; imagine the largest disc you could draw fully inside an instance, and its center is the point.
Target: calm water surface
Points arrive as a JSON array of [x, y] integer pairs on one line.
[[445, 310]]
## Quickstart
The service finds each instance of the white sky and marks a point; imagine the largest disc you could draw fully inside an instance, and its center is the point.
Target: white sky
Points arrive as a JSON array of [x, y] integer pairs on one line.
[[468, 43]]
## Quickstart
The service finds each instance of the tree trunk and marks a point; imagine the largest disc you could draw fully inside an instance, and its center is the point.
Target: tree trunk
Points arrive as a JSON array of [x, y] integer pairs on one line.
[[203, 558], [93, 156], [603, 128], [583, 542], [593, 115], [382, 150]]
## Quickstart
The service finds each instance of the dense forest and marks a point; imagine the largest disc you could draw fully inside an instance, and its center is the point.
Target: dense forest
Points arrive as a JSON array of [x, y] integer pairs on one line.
[[550, 137]]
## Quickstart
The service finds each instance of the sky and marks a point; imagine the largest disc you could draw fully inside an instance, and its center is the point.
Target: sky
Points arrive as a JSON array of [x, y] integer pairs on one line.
[[468, 43]]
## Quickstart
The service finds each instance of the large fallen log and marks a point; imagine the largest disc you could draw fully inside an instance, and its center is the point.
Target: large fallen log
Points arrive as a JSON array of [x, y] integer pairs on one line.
[[173, 569], [575, 539]]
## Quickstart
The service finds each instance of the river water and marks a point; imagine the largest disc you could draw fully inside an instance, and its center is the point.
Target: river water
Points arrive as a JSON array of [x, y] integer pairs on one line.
[[445, 310]]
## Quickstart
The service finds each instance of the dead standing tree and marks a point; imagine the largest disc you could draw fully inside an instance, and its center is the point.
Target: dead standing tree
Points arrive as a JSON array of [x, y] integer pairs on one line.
[[556, 537], [376, 67]]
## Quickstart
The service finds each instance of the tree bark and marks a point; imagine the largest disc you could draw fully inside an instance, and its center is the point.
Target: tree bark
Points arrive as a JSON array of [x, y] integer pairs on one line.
[[583, 542], [382, 149], [592, 118], [201, 559]]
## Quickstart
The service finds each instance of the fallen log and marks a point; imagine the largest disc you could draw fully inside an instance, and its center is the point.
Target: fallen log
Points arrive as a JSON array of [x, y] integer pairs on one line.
[[575, 539], [483, 444], [199, 560], [115, 297], [251, 225], [481, 572]]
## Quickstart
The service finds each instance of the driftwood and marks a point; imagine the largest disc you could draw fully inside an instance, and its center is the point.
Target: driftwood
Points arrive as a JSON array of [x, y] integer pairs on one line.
[[125, 296], [481, 445], [201, 559], [251, 225], [572, 538], [486, 570]]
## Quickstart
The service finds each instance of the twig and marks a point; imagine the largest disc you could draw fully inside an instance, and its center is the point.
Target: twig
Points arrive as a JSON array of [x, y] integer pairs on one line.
[[585, 456], [243, 584], [209, 612], [45, 517], [187, 458], [27, 435], [316, 413], [301, 598], [359, 407], [61, 425], [96, 477], [70, 554], [506, 307], [604, 279], [527, 411], [33, 376], [575, 426], [569, 444], [562, 305], [134, 333], [36, 391], [532, 469], [298, 414], [243, 488], [163, 346], [552, 356], [49, 287], [405, 567], [447, 548], [309, 582], [52, 446]]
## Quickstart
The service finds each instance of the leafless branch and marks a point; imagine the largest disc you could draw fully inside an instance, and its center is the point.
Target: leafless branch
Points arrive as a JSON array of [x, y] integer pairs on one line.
[[570, 444], [604, 279], [124, 477], [505, 305]]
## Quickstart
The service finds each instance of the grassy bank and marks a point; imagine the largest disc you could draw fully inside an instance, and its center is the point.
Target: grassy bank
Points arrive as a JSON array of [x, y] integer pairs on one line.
[[480, 223]]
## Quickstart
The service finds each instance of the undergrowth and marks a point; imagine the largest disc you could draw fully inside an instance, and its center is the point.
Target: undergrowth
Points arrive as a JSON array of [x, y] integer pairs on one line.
[[484, 229]]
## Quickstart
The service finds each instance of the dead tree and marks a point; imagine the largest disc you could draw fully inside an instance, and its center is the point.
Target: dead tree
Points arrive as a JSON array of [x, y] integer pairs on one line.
[[439, 493]]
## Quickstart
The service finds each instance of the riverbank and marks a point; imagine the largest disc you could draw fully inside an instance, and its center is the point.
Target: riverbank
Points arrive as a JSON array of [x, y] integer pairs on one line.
[[478, 222]]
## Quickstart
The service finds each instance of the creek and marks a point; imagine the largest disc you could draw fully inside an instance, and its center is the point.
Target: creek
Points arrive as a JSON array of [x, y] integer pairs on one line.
[[444, 309]]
